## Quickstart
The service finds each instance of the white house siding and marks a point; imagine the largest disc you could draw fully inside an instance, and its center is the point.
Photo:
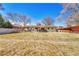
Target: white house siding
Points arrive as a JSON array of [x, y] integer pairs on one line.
[[6, 30]]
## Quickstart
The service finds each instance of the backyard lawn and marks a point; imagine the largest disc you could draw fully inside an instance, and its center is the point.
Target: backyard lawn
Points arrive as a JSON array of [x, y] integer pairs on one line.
[[39, 44]]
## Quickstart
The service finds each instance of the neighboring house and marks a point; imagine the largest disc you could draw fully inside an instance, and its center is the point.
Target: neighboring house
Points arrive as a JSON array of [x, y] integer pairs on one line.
[[8, 30], [74, 29], [66, 29]]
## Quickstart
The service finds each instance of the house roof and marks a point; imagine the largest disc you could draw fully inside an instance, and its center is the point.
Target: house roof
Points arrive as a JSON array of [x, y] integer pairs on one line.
[[69, 27]]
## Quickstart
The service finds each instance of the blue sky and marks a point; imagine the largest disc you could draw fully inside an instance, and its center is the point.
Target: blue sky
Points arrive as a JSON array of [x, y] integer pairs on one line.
[[37, 11]]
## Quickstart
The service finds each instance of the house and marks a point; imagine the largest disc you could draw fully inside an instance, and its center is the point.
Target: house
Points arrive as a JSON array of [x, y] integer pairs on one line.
[[38, 28], [75, 28], [65, 29], [70, 29]]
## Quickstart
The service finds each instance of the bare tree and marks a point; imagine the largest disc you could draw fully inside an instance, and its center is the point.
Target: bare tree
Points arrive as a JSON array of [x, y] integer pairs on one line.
[[70, 7], [70, 13], [48, 21], [69, 22], [25, 20], [15, 17], [59, 18], [73, 20], [19, 18]]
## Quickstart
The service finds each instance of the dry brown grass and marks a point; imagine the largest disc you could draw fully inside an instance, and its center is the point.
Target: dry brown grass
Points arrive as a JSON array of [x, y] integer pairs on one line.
[[39, 44]]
